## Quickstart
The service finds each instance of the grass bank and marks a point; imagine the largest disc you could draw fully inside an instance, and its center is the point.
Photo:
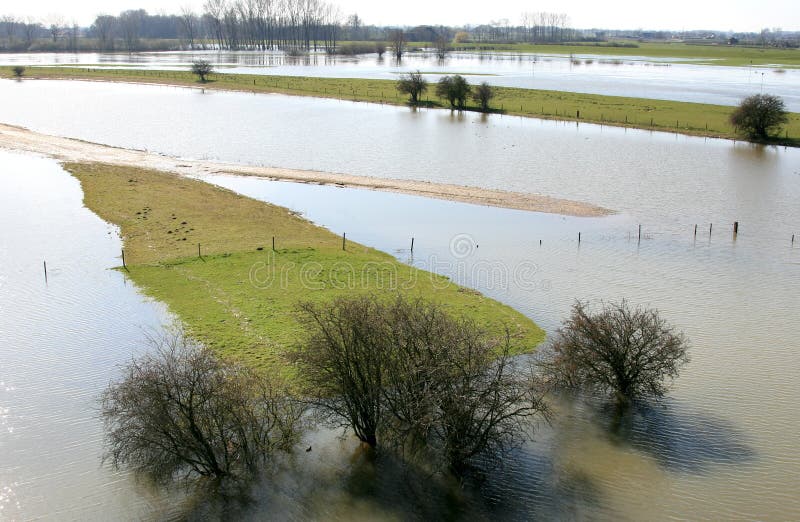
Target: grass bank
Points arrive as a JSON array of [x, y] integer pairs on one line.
[[707, 54], [240, 297], [681, 117]]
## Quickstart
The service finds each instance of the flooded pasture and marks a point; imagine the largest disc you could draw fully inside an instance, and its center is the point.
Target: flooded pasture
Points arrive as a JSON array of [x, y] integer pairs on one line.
[[723, 445], [635, 76]]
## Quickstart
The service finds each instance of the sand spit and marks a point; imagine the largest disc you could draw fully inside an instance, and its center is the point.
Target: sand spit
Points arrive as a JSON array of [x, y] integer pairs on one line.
[[67, 149]]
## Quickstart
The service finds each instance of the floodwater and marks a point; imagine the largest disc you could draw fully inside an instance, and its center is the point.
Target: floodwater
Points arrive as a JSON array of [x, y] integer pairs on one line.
[[723, 447], [62, 340], [636, 76]]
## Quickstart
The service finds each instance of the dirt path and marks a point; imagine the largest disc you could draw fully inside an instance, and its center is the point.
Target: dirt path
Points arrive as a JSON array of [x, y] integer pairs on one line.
[[66, 149]]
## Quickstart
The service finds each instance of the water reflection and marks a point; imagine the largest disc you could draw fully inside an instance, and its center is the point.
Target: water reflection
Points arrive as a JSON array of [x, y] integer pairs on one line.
[[637, 76], [679, 437], [62, 340]]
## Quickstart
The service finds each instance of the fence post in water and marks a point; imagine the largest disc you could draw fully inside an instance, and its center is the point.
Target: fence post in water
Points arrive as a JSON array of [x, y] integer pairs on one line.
[[45, 267], [579, 115], [579, 238], [695, 231], [792, 239], [710, 227], [640, 232], [735, 228], [412, 245], [344, 240], [123, 260]]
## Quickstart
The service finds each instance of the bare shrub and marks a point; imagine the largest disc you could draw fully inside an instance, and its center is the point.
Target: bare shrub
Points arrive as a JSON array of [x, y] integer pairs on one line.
[[180, 411], [405, 375], [630, 353]]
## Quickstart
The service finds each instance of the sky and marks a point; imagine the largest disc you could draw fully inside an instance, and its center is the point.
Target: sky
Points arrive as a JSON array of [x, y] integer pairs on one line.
[[736, 15]]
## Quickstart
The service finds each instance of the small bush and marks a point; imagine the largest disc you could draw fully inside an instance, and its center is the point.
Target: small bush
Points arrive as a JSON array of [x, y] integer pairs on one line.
[[412, 84], [760, 115], [454, 89], [483, 95], [18, 71], [202, 68]]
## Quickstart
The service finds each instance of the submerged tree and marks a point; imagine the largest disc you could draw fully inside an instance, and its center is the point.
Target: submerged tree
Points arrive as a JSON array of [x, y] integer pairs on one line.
[[412, 84], [760, 115], [454, 89], [397, 40], [18, 71], [628, 352], [180, 411], [405, 375], [202, 68], [441, 46], [344, 363]]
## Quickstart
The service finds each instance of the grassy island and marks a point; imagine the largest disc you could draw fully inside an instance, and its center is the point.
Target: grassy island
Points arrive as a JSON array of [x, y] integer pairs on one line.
[[239, 296]]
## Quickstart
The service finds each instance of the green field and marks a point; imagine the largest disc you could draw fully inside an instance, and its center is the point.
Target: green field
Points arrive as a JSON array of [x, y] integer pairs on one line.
[[685, 53], [241, 297], [685, 118]]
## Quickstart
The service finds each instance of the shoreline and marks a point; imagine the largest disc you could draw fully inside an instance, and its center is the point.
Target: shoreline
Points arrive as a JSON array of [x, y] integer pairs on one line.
[[75, 150]]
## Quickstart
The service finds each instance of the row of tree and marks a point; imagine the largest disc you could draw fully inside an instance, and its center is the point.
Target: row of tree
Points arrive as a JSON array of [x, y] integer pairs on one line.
[[455, 89], [403, 375], [256, 24]]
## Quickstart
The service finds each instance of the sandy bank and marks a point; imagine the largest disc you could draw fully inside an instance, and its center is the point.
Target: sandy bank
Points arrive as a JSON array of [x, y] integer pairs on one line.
[[66, 149]]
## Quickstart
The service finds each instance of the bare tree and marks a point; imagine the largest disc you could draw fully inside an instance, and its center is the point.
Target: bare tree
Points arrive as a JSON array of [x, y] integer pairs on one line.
[[10, 23], [103, 28], [452, 392], [29, 30], [380, 48], [343, 363], [130, 24], [397, 41], [412, 84], [73, 32], [179, 411], [624, 351], [483, 95], [442, 46], [55, 25], [189, 25], [406, 375]]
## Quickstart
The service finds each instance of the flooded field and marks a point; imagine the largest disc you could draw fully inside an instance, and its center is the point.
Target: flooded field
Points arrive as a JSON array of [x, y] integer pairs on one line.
[[635, 76], [723, 447]]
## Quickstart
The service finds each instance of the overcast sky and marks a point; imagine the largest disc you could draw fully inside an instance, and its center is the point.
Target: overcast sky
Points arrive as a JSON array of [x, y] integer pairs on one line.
[[738, 15]]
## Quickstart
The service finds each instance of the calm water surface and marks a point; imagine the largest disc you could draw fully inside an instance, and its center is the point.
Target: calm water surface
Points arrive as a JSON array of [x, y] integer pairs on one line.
[[642, 77], [62, 340], [723, 446]]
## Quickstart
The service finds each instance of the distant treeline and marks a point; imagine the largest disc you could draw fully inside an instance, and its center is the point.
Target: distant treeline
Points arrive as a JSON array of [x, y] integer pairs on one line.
[[304, 25]]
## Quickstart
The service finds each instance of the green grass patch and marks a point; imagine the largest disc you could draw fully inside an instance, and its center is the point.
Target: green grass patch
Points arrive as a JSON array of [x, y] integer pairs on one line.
[[710, 54], [241, 297], [681, 117]]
